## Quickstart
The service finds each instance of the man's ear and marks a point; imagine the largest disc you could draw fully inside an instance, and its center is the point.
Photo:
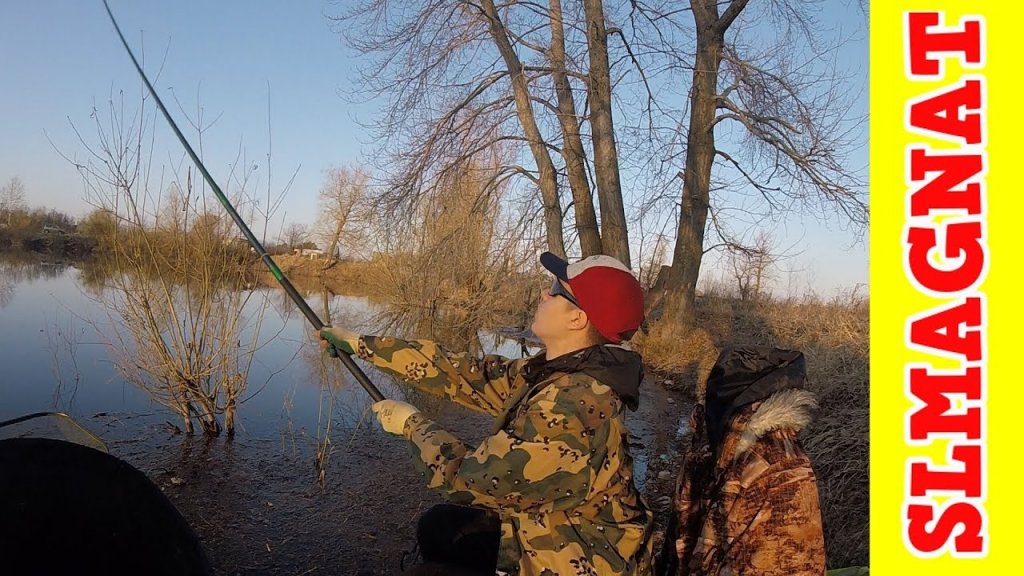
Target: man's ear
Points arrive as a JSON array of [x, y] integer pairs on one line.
[[579, 320]]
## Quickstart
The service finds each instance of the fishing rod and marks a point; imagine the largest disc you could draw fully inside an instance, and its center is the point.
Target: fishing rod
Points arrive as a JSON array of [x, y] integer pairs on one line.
[[345, 357]]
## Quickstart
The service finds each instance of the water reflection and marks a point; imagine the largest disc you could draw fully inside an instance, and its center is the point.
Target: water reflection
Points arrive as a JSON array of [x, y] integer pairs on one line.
[[52, 348], [54, 335], [6, 291], [63, 342], [17, 268]]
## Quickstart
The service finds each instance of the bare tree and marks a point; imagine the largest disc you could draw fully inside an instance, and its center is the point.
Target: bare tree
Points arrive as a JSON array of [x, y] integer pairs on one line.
[[606, 156], [794, 111], [750, 266], [744, 105], [456, 267], [342, 199], [184, 318], [461, 77], [12, 198], [294, 235], [573, 151]]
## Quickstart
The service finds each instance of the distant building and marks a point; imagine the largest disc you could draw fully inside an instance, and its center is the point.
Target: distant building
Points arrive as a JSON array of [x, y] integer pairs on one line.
[[312, 253]]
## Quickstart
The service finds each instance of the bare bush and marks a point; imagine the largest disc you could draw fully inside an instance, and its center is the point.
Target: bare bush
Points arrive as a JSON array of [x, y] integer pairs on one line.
[[458, 265], [175, 285]]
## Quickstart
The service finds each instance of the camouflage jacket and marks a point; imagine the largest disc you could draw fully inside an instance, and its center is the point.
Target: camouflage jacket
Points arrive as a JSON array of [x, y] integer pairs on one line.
[[556, 468], [754, 509]]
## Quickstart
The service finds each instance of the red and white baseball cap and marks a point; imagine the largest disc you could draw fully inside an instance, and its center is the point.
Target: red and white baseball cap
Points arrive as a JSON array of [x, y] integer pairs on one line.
[[605, 289]]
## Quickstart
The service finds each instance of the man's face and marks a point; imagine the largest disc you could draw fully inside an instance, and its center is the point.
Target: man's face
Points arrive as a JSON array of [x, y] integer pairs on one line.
[[556, 313]]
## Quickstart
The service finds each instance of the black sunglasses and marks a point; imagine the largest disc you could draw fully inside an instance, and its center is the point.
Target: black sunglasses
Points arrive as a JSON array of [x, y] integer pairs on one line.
[[558, 290]]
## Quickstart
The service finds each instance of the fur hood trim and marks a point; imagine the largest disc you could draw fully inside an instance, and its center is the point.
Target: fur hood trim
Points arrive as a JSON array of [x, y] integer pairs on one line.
[[790, 409]]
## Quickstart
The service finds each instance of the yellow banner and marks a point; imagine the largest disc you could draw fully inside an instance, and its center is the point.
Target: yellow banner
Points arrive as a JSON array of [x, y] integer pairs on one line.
[[944, 302]]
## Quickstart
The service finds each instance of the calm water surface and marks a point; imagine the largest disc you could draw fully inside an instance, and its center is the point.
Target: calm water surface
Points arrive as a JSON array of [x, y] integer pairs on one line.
[[54, 356]]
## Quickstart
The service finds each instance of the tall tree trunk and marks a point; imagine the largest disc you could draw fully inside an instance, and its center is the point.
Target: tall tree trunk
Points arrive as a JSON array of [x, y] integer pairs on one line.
[[681, 288], [547, 180], [339, 227], [332, 248], [614, 236], [572, 149]]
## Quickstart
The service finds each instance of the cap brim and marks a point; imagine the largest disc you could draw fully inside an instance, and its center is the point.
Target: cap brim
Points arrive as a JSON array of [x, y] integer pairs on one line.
[[555, 265]]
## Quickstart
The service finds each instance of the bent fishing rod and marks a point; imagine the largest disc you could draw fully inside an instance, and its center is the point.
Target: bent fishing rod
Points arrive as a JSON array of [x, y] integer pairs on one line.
[[345, 357]]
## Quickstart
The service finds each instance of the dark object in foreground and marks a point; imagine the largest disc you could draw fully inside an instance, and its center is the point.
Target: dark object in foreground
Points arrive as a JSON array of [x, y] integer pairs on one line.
[[69, 509], [457, 541]]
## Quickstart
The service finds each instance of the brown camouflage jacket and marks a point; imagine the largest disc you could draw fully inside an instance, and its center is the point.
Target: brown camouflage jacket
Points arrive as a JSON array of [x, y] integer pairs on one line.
[[557, 467], [754, 509]]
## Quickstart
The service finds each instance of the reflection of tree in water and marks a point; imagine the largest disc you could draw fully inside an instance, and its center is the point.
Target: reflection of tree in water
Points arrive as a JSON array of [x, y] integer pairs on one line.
[[187, 341], [17, 270], [446, 326], [21, 269], [63, 338], [282, 303], [93, 275], [6, 291]]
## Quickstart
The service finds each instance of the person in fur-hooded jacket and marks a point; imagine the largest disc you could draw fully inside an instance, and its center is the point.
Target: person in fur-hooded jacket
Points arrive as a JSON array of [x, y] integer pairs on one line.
[[747, 499]]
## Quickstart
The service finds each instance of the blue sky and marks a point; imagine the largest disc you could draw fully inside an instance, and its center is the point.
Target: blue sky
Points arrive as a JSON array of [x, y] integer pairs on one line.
[[60, 57]]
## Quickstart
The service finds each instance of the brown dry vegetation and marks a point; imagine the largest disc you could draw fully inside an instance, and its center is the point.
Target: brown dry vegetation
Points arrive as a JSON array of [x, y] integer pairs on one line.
[[833, 335], [185, 302], [338, 277]]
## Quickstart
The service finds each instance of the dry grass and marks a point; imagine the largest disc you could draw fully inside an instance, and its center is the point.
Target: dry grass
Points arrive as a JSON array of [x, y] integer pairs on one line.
[[833, 335], [686, 355], [349, 277]]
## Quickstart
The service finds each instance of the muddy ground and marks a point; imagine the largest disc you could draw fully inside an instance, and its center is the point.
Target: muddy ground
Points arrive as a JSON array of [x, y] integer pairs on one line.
[[258, 507]]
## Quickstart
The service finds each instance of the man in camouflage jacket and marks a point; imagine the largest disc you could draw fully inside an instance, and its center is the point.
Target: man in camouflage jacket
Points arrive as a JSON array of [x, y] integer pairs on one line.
[[556, 468], [747, 499]]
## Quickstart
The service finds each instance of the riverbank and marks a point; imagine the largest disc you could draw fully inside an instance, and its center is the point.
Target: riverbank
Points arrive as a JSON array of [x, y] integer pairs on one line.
[[352, 278]]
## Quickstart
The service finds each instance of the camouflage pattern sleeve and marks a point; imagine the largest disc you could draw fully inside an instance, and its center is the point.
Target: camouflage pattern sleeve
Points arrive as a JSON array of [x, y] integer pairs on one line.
[[778, 522], [548, 457], [479, 384]]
